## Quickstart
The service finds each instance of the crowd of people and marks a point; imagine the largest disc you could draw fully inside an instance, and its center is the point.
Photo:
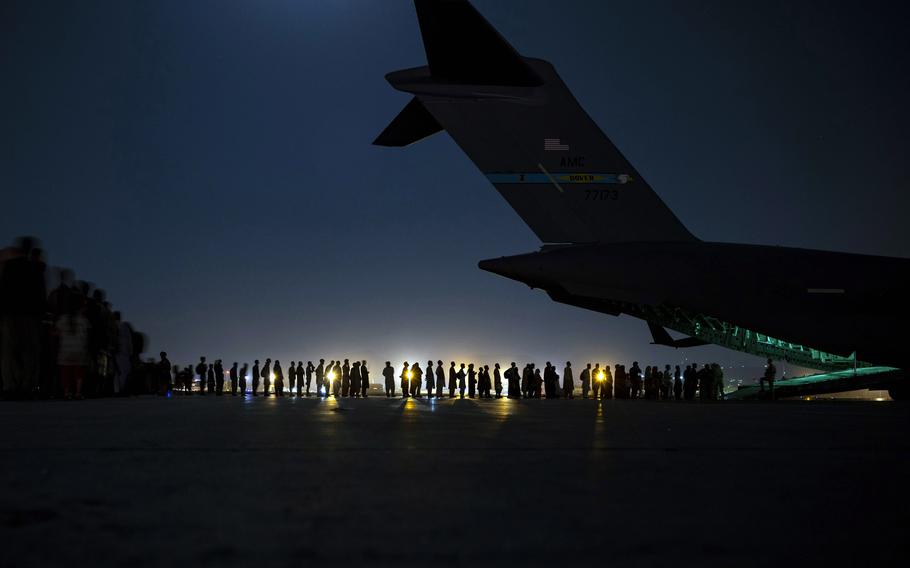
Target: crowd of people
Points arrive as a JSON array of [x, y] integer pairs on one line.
[[67, 343], [342, 378], [71, 343]]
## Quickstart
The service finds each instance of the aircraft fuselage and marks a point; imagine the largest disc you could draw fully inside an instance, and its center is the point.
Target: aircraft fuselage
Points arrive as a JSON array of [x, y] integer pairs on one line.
[[837, 302]]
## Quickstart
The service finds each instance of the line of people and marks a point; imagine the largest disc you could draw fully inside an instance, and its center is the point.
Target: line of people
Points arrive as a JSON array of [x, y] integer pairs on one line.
[[707, 382], [345, 379], [336, 378]]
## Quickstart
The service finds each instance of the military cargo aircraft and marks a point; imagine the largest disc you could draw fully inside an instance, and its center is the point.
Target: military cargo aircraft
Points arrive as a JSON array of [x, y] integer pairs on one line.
[[519, 123]]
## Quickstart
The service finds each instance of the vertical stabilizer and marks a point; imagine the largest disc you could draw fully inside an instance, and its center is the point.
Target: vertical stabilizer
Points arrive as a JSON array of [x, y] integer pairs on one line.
[[519, 123]]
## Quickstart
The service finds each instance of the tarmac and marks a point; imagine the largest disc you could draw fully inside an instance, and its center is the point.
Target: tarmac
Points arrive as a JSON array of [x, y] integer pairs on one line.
[[223, 481]]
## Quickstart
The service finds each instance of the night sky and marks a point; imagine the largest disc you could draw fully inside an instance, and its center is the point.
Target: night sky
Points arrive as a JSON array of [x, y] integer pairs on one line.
[[209, 163]]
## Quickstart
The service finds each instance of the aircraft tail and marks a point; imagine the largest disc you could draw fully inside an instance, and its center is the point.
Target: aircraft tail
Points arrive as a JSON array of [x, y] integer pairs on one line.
[[519, 123]]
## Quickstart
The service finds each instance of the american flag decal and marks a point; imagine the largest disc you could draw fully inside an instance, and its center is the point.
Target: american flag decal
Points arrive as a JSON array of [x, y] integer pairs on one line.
[[554, 145]]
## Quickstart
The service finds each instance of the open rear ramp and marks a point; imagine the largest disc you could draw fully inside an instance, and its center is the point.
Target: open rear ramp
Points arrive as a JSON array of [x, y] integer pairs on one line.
[[823, 383]]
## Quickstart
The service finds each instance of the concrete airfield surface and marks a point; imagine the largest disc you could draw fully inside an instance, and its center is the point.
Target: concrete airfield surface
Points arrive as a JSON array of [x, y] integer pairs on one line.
[[221, 481]]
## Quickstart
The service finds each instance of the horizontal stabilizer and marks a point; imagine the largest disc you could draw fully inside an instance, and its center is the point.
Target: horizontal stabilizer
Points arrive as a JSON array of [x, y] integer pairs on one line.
[[662, 337], [412, 124], [462, 47]]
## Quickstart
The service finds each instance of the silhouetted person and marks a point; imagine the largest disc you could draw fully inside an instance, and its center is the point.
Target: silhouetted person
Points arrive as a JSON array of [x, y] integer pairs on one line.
[[279, 378], [621, 383], [355, 380], [549, 387], [537, 384], [431, 379], [585, 378], [697, 376], [416, 380], [487, 382], [210, 378], [308, 373], [243, 371], [327, 378], [705, 383], [219, 377], [320, 378], [690, 383], [718, 375], [607, 389], [363, 384], [163, 372], [345, 378], [472, 380], [597, 380], [23, 304], [635, 379], [526, 381], [497, 381], [461, 380], [256, 376], [440, 379], [666, 383], [406, 381], [266, 377], [677, 384], [514, 379], [201, 368], [453, 380], [331, 378], [187, 376], [364, 379], [568, 381], [554, 379], [292, 377], [768, 377], [336, 384], [388, 373], [297, 373], [72, 353], [529, 388], [232, 374], [663, 382]]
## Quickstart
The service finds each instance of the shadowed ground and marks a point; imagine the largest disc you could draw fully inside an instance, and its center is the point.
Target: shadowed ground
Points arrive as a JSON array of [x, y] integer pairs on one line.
[[219, 481]]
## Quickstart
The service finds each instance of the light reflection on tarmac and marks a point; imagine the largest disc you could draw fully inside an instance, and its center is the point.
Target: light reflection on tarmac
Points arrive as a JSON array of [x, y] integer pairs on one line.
[[223, 481]]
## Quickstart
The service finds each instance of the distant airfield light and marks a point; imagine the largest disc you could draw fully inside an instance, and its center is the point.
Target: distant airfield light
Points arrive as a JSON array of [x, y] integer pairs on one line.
[[410, 374], [601, 376]]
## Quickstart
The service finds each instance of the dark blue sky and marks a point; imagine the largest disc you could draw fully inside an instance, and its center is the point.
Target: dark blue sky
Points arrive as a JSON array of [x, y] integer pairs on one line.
[[209, 163]]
